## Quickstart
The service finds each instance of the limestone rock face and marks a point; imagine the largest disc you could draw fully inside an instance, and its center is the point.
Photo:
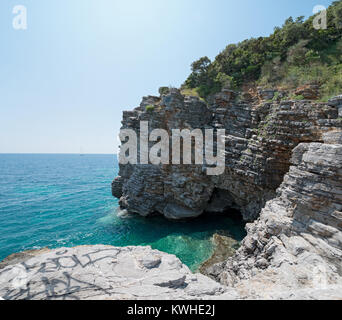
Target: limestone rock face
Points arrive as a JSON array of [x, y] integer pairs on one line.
[[259, 143], [117, 188], [283, 168], [174, 191], [296, 244], [135, 273], [106, 273]]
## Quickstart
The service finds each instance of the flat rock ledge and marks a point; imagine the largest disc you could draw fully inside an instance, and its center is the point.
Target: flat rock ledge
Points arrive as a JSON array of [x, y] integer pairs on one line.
[[129, 273], [104, 273]]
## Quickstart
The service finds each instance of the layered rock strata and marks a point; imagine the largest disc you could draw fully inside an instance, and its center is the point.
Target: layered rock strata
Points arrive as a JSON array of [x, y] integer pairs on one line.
[[259, 143], [283, 168], [296, 244]]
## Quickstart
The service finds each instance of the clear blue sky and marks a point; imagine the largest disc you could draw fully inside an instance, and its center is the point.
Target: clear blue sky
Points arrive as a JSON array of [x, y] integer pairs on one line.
[[65, 81]]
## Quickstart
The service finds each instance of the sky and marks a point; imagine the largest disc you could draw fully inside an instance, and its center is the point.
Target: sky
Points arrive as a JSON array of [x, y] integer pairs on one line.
[[65, 80]]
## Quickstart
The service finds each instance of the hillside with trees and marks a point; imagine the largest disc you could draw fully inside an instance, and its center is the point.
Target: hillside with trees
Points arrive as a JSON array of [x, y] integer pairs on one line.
[[294, 55]]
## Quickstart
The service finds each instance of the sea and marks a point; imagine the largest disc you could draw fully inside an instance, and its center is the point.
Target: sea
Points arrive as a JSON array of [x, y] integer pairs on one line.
[[59, 200]]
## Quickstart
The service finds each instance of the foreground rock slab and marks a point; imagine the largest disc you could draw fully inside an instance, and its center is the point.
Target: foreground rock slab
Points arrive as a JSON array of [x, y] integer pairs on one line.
[[130, 273], [105, 272]]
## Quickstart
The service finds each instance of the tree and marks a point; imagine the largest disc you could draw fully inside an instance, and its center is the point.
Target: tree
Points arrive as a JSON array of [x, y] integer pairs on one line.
[[337, 14], [296, 54], [285, 54], [199, 74]]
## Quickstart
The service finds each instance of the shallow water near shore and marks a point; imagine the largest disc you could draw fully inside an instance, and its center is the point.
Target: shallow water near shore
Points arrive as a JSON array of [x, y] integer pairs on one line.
[[65, 200]]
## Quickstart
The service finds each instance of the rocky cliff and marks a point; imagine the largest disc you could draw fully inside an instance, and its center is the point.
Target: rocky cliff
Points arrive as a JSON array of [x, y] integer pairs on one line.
[[297, 241], [283, 171], [260, 137]]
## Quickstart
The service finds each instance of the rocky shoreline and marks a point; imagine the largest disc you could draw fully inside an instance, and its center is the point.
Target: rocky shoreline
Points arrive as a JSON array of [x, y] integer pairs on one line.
[[133, 273], [283, 173], [296, 244]]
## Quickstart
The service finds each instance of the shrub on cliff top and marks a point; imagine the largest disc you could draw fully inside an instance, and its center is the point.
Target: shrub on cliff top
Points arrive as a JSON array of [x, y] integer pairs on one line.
[[164, 90], [149, 108]]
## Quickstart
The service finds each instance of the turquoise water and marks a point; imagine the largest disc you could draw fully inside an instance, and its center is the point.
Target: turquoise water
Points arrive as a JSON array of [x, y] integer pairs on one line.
[[65, 200]]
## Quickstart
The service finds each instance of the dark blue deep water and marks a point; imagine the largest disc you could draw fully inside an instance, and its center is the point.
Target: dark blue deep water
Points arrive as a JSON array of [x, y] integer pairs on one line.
[[65, 200]]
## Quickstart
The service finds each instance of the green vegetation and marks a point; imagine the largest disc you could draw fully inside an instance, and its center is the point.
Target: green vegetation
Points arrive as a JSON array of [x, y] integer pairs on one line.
[[298, 97], [164, 90], [149, 108], [194, 92], [190, 92], [295, 54], [276, 96]]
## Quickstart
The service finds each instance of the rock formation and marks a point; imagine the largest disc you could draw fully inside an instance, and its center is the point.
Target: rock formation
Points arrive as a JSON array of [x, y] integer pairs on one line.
[[103, 273], [297, 241], [131, 273], [259, 142], [283, 168]]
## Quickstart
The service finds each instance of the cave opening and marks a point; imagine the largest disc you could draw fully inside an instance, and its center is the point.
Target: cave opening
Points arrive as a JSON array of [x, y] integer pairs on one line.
[[222, 202]]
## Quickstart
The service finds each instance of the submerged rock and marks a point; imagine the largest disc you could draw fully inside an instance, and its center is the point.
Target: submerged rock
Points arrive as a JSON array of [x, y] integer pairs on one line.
[[224, 247]]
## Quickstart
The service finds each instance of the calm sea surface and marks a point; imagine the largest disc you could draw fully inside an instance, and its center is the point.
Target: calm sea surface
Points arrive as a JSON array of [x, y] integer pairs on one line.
[[65, 200]]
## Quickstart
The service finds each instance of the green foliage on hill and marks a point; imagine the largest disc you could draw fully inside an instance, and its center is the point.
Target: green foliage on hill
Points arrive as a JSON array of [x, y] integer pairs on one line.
[[295, 54]]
